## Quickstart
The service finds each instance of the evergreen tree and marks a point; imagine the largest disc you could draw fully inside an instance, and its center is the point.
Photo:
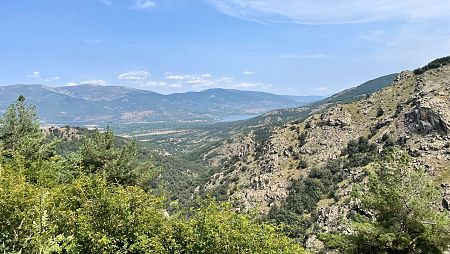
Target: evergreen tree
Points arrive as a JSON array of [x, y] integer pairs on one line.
[[102, 154], [20, 133], [402, 213]]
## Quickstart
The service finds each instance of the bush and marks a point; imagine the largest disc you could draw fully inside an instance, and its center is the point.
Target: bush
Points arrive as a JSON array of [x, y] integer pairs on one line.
[[359, 152], [302, 164], [262, 136], [389, 140], [403, 204], [302, 138]]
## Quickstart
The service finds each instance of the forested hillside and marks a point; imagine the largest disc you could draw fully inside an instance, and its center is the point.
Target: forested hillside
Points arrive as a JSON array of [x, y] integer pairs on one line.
[[96, 200]]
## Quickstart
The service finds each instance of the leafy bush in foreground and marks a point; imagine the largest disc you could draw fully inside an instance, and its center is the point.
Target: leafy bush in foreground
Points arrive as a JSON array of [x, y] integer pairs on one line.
[[49, 204]]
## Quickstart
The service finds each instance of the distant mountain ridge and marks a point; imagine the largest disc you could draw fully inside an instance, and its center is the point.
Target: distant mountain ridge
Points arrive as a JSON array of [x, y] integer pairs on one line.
[[92, 104]]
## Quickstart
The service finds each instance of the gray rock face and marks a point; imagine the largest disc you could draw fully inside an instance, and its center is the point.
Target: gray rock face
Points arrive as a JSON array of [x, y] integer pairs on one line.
[[446, 203], [430, 116], [416, 113]]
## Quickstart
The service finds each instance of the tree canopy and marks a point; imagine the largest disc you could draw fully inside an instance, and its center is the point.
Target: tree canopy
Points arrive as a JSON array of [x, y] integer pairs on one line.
[[20, 132], [86, 203]]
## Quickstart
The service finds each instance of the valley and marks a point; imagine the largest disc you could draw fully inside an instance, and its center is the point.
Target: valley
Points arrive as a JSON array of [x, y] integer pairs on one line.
[[295, 168], [131, 108], [225, 127], [255, 163]]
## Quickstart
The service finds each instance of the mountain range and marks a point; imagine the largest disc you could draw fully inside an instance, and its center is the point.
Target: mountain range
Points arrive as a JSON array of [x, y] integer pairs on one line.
[[296, 166], [91, 104]]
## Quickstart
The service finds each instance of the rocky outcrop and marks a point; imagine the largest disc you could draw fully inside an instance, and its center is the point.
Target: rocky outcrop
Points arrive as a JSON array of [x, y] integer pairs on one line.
[[430, 115], [336, 116], [414, 112]]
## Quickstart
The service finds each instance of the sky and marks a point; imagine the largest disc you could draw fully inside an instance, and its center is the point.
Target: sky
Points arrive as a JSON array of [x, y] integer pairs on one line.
[[292, 47]]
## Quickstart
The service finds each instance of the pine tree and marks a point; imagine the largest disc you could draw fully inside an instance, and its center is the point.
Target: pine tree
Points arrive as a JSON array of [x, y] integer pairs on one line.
[[101, 154], [20, 132]]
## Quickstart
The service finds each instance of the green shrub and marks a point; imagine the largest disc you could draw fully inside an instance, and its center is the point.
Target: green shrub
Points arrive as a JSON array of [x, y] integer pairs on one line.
[[403, 204]]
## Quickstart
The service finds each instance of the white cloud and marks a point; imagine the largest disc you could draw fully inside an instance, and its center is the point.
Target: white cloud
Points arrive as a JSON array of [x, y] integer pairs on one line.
[[35, 75], [204, 81], [249, 73], [177, 77], [176, 85], [333, 12], [171, 76], [56, 78], [199, 82], [247, 85], [226, 80], [95, 82], [189, 82], [153, 84], [142, 4], [134, 75], [72, 84]]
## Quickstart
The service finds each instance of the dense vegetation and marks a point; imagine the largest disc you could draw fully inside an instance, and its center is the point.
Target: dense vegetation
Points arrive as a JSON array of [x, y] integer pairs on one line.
[[299, 211], [177, 179], [402, 213], [91, 201], [396, 211], [433, 65]]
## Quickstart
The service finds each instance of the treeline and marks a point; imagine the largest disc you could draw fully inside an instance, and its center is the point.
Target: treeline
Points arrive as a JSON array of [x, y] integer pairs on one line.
[[95, 200], [433, 65]]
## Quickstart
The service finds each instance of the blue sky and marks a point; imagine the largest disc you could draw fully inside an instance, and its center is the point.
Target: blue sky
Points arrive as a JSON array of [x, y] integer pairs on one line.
[[297, 47]]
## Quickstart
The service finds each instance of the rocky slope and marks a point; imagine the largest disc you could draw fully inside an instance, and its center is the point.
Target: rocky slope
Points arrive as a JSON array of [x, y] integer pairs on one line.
[[413, 112]]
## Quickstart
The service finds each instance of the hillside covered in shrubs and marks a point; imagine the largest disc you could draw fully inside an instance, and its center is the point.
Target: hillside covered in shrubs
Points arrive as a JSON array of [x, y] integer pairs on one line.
[[95, 201]]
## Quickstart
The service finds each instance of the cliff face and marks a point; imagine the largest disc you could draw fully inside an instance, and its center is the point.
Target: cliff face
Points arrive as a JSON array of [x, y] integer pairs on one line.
[[414, 111]]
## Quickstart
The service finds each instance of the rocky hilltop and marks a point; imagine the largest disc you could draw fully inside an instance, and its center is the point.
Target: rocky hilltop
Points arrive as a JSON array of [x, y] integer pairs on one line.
[[412, 113]]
